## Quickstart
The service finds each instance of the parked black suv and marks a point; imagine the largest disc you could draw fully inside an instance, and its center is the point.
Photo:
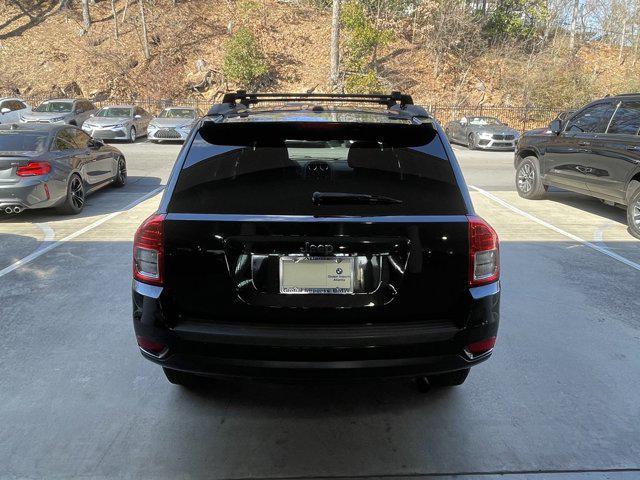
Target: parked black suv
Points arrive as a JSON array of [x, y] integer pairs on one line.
[[596, 151], [315, 239]]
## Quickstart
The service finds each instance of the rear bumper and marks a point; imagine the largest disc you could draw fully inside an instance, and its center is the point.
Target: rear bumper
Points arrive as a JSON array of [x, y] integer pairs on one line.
[[29, 193], [300, 351]]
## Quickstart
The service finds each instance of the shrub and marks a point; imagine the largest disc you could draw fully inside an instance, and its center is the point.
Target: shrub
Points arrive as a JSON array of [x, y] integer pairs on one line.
[[244, 61]]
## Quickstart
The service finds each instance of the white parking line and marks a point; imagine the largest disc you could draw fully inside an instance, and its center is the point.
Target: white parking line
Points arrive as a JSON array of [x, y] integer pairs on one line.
[[47, 248], [573, 237]]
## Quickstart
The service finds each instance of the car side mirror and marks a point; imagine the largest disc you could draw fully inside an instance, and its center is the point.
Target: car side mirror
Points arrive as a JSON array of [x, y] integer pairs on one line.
[[92, 115], [5, 110], [94, 143], [555, 126], [137, 116]]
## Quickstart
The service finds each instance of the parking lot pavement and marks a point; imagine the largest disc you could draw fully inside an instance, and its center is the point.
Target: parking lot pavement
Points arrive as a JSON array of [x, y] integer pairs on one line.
[[557, 400]]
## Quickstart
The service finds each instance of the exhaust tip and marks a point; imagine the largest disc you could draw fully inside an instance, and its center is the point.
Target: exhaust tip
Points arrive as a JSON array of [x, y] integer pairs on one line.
[[8, 210], [17, 209]]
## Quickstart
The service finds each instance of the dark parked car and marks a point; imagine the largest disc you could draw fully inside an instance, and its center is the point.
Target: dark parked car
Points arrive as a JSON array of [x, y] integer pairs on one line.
[[45, 166], [595, 152], [487, 133], [316, 241], [562, 116]]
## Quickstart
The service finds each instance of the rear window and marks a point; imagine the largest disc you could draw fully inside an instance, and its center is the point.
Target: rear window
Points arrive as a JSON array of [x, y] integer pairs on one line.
[[21, 141], [283, 168]]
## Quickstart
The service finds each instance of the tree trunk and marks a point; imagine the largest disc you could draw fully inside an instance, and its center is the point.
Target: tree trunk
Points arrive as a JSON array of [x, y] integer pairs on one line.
[[115, 18], [574, 25], [145, 39], [86, 16], [335, 44], [623, 38]]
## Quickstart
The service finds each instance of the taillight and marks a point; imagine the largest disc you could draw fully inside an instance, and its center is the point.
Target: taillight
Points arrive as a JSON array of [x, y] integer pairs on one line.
[[148, 250], [483, 346], [484, 251], [33, 169]]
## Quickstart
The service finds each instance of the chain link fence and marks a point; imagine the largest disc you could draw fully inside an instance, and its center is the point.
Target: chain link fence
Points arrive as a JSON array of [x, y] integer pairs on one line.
[[520, 118]]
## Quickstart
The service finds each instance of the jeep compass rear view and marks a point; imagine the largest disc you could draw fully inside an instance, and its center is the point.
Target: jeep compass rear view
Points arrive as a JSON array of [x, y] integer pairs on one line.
[[316, 235]]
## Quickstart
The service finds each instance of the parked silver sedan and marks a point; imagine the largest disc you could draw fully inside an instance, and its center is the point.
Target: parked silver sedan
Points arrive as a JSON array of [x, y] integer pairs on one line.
[[487, 133], [73, 111], [119, 122], [173, 123], [44, 166]]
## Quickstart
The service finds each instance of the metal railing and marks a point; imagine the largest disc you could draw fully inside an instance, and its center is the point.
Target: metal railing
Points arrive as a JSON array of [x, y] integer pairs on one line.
[[520, 118]]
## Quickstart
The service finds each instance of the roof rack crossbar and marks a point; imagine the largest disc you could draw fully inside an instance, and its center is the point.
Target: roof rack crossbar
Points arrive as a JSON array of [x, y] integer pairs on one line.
[[248, 99]]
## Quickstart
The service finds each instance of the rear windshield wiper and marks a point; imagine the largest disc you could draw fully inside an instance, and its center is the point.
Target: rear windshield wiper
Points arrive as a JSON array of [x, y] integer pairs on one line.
[[340, 198]]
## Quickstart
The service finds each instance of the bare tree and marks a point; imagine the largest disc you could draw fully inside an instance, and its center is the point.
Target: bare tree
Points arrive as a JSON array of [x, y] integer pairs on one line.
[[574, 24], [335, 44], [86, 15], [145, 38], [115, 18]]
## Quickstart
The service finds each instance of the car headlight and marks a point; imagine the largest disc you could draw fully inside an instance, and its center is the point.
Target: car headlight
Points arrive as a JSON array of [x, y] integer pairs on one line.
[[119, 125], [57, 119], [185, 128], [153, 126], [88, 126], [484, 135]]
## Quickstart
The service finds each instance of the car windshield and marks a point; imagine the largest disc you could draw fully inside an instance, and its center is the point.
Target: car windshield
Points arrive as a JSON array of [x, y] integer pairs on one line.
[[118, 112], [484, 121], [54, 107], [320, 169], [21, 141], [178, 113]]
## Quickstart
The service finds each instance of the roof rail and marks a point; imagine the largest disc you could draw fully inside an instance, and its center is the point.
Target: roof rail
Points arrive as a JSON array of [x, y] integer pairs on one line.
[[231, 100]]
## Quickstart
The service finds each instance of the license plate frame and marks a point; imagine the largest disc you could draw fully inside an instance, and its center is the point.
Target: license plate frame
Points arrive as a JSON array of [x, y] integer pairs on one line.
[[344, 280]]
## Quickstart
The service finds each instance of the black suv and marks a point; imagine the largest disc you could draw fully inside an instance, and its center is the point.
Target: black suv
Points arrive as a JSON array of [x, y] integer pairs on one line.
[[596, 151], [314, 239]]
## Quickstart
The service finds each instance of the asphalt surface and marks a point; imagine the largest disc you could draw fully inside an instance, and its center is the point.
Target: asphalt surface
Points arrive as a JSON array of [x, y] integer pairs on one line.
[[558, 399]]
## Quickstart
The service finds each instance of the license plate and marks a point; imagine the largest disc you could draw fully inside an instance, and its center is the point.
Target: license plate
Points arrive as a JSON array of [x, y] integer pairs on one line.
[[316, 275]]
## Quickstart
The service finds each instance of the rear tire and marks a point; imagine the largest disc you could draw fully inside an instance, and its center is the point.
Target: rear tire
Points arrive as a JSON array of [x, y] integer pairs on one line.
[[528, 180], [183, 379], [74, 201], [633, 213], [121, 177], [449, 379]]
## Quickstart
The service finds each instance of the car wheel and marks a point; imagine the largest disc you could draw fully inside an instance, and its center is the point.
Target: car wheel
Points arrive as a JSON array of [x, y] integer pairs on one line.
[[633, 214], [449, 379], [132, 135], [471, 142], [120, 179], [74, 201], [183, 379], [528, 181]]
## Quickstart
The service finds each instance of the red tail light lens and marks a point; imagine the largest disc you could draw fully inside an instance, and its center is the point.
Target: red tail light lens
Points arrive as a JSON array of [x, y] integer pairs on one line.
[[483, 346], [33, 169], [148, 250], [484, 250], [155, 348]]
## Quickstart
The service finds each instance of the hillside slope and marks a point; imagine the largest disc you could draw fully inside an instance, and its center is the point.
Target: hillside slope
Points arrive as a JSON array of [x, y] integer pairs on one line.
[[44, 51]]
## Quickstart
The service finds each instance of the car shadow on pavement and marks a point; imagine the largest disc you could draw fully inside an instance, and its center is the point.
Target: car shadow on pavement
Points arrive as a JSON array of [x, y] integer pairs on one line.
[[104, 201], [589, 205]]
